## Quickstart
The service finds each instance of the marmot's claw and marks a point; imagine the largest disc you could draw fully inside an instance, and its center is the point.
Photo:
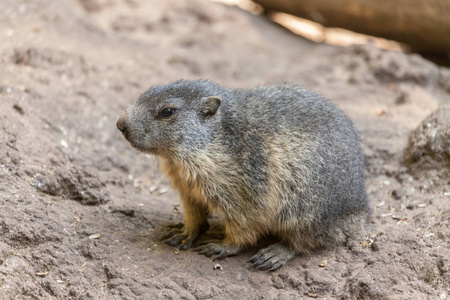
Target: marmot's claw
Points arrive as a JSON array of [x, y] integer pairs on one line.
[[176, 225], [217, 250], [275, 267], [187, 243], [272, 258], [176, 239], [171, 234], [174, 229]]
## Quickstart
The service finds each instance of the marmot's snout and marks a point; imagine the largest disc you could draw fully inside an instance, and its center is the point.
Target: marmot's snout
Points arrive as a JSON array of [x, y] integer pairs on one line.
[[121, 124]]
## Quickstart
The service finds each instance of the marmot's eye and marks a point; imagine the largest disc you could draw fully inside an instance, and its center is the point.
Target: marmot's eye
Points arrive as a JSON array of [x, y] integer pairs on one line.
[[167, 112]]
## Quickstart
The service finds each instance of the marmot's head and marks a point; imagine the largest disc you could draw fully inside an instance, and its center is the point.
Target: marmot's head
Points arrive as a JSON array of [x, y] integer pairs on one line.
[[171, 119]]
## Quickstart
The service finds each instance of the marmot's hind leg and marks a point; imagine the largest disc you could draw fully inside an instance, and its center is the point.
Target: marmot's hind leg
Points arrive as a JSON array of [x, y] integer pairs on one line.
[[273, 257]]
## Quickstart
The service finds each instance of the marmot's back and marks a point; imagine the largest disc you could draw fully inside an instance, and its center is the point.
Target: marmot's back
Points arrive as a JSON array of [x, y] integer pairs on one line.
[[307, 153]]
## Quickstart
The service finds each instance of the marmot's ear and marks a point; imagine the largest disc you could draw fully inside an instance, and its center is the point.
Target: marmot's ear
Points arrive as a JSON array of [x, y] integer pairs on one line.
[[211, 106]]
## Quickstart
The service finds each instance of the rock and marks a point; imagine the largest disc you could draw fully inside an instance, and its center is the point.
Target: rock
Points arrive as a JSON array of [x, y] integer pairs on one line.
[[429, 145]]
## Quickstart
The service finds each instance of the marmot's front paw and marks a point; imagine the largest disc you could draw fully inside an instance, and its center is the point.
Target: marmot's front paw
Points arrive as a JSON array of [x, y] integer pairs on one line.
[[218, 250], [182, 238]]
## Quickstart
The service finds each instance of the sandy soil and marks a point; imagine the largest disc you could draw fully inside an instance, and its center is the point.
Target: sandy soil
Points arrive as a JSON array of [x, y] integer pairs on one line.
[[81, 212]]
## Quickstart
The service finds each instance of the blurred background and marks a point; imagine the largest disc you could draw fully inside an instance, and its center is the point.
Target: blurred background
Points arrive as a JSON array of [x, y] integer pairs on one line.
[[421, 26]]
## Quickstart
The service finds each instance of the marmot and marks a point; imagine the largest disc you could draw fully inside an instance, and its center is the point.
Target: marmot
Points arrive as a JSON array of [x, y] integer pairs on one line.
[[275, 161]]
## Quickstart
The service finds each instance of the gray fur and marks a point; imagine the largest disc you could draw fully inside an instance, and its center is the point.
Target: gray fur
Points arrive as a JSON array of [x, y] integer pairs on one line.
[[274, 160]]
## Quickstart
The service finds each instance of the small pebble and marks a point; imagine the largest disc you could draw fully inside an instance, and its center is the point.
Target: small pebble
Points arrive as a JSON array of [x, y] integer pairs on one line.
[[380, 204], [324, 263]]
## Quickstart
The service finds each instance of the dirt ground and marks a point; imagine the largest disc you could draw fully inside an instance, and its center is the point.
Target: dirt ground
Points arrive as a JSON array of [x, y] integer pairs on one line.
[[81, 212]]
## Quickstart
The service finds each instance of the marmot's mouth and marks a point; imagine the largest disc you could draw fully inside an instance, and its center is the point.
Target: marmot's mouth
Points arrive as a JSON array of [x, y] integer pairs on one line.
[[137, 147], [126, 135], [143, 149]]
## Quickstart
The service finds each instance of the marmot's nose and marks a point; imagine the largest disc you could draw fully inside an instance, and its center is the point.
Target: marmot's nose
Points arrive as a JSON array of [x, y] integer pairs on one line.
[[122, 124]]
